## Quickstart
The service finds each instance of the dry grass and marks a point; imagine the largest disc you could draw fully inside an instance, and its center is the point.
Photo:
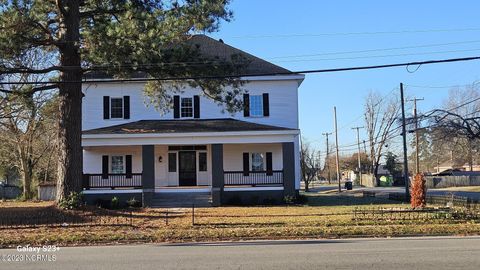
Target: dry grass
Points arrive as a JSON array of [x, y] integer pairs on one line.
[[326, 216]]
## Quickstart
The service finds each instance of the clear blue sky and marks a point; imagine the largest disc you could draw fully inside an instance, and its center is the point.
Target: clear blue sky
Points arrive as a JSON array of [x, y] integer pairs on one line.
[[273, 28]]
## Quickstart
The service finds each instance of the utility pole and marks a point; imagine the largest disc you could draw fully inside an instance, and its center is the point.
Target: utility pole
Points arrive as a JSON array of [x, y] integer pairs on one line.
[[336, 148], [327, 165], [417, 159], [358, 155], [404, 135]]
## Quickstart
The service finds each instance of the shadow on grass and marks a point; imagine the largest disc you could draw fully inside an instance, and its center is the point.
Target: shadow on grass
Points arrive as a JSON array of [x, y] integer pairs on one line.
[[239, 224], [347, 199]]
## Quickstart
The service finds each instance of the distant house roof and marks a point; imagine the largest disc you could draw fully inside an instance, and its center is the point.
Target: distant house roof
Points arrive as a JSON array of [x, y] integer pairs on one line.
[[183, 126], [457, 172], [213, 48]]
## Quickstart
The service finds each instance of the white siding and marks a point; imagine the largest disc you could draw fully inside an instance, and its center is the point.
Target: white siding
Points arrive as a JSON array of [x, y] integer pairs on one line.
[[283, 100], [92, 157], [233, 155]]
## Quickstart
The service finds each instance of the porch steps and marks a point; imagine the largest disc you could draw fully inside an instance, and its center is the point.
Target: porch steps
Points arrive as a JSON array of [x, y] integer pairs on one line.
[[182, 199]]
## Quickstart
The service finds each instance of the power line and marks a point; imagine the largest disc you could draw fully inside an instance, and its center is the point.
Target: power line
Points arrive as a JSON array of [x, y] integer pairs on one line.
[[358, 33], [425, 116], [377, 56], [442, 86], [311, 71], [376, 50], [380, 101]]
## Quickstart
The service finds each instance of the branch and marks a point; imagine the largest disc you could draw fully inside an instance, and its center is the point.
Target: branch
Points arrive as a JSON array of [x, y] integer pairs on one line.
[[15, 70], [33, 90]]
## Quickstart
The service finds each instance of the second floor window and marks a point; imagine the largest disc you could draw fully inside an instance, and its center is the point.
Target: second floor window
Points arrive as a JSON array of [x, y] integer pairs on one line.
[[186, 107], [116, 108], [256, 105]]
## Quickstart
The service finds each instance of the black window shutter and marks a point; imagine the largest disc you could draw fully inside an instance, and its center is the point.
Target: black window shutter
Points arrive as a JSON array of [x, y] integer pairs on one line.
[[128, 166], [246, 105], [246, 164], [176, 106], [266, 105], [104, 167], [126, 107], [196, 106], [106, 107], [269, 163]]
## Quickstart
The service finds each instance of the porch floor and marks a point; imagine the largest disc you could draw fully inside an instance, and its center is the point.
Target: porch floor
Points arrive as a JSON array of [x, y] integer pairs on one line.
[[182, 199]]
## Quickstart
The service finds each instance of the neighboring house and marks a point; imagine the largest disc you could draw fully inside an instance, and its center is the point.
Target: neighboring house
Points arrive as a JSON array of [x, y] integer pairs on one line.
[[195, 153], [449, 166]]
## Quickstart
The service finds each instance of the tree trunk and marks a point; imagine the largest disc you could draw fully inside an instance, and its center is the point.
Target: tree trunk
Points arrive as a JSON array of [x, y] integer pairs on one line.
[[375, 174], [470, 155], [27, 174], [70, 106]]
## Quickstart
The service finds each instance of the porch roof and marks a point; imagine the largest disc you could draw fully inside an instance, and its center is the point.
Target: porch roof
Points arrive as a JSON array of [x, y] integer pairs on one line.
[[184, 126]]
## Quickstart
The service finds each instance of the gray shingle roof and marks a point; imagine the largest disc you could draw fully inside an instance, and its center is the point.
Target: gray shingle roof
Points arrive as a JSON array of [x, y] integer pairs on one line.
[[213, 48], [183, 126]]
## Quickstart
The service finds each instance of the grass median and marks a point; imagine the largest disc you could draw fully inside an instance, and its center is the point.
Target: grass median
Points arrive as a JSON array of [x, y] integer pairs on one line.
[[325, 216]]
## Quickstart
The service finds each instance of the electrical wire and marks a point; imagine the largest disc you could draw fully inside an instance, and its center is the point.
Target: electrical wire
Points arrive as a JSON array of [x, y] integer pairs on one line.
[[246, 75]]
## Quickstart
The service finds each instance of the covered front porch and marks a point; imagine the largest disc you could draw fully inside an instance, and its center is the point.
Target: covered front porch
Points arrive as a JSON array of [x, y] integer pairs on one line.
[[226, 167]]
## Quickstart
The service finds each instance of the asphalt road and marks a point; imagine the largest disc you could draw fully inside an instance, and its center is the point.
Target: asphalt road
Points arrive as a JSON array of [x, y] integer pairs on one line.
[[400, 253]]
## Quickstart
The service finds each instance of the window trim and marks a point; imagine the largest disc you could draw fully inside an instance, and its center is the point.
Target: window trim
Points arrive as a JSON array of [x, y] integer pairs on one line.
[[111, 108], [251, 106], [192, 107], [263, 161], [123, 164]]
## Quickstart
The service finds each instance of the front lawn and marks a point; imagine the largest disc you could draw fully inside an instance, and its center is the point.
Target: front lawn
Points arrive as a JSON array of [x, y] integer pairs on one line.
[[325, 216]]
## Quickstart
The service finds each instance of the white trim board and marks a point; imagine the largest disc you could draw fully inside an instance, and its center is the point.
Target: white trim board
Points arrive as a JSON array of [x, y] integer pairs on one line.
[[112, 191], [188, 138], [183, 190], [251, 188]]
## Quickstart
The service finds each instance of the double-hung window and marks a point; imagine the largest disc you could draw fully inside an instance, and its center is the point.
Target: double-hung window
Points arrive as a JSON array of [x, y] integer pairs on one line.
[[117, 165], [116, 108], [257, 162], [256, 105], [186, 107]]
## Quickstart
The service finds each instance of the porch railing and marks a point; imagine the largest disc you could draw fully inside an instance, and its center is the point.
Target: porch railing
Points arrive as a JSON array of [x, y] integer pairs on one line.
[[112, 180], [253, 178]]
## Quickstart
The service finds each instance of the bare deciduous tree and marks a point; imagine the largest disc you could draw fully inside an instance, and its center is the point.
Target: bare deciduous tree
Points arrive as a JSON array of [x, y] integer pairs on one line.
[[459, 121], [28, 127], [380, 115], [310, 163]]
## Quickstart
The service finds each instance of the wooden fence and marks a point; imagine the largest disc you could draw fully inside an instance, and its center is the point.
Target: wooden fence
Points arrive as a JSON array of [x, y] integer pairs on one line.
[[451, 181]]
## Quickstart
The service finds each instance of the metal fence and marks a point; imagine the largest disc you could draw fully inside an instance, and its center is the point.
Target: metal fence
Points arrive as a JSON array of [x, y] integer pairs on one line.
[[444, 200], [52, 217], [392, 214]]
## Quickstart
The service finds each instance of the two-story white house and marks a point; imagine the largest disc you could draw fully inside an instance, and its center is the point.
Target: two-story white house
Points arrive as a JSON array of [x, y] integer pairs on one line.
[[194, 154]]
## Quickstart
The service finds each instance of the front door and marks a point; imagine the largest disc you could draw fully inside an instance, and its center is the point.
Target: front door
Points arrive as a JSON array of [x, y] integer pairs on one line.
[[187, 173]]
